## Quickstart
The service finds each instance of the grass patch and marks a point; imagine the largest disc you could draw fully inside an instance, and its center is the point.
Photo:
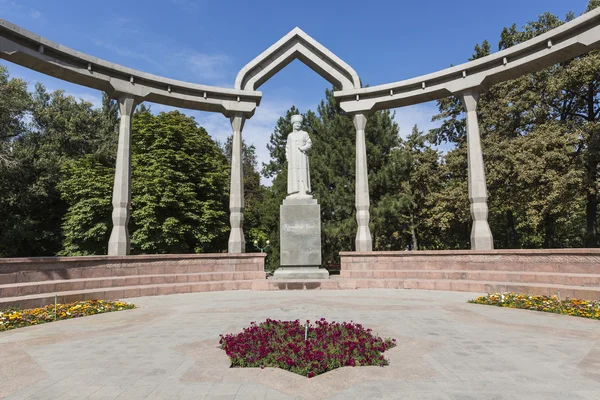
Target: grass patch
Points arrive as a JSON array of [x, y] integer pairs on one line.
[[575, 307], [15, 318], [305, 349]]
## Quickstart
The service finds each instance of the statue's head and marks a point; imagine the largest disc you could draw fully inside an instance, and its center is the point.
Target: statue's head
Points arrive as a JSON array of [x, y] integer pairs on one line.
[[297, 122]]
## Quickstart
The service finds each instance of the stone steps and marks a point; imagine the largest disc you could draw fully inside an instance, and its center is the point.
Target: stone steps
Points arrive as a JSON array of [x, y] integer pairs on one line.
[[571, 279], [111, 271], [340, 283], [35, 281], [124, 292], [488, 265], [580, 292], [66, 285]]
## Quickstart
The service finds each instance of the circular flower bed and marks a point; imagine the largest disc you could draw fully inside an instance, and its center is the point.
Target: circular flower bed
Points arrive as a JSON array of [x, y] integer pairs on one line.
[[15, 318], [307, 350], [575, 307]]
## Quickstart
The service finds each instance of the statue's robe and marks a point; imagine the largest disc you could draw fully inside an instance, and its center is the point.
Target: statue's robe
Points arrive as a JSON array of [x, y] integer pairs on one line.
[[298, 174]]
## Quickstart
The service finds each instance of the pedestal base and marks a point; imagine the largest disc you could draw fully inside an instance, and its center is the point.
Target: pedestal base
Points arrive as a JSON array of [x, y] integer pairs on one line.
[[290, 273], [300, 232]]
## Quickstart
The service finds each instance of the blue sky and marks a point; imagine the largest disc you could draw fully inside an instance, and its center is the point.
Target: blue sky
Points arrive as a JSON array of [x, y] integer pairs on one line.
[[208, 42]]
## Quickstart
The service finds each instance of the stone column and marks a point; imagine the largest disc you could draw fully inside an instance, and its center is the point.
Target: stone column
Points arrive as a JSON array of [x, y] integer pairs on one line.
[[363, 235], [118, 244], [237, 243], [481, 235]]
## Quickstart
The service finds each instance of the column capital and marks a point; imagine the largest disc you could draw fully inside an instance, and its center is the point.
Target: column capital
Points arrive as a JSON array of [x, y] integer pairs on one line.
[[127, 104], [360, 120], [470, 98], [237, 121], [230, 114]]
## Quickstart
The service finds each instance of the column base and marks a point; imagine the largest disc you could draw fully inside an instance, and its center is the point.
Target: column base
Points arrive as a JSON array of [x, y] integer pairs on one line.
[[363, 241], [118, 244], [481, 236], [237, 243], [290, 273]]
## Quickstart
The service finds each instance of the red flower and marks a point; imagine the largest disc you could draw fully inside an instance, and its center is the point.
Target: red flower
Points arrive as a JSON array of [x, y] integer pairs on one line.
[[281, 344]]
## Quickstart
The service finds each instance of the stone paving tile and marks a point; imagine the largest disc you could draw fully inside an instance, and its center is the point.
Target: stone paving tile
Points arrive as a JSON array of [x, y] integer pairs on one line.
[[275, 395], [427, 396], [108, 392], [166, 392], [448, 349], [196, 391], [80, 392], [254, 389], [52, 392], [224, 389], [479, 396], [136, 393]]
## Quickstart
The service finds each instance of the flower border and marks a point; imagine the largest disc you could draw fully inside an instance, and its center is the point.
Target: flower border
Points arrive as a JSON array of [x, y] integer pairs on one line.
[[551, 304], [13, 318]]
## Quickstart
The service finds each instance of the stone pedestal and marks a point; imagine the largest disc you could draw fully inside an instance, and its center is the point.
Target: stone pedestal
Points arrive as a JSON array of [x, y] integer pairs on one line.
[[300, 234]]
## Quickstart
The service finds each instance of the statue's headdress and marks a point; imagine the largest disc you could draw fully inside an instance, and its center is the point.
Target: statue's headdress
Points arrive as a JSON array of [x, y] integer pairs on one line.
[[297, 118]]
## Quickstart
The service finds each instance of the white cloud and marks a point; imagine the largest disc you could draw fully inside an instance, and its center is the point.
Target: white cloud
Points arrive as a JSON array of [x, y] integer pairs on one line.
[[125, 52], [93, 97], [12, 9], [419, 114], [204, 66], [167, 58], [124, 25]]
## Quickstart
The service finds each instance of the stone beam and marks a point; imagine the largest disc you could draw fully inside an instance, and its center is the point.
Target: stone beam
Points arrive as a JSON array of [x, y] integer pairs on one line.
[[297, 45], [563, 43], [32, 51]]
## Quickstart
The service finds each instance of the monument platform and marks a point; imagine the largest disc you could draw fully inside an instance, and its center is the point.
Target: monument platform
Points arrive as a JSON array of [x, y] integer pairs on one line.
[[300, 233]]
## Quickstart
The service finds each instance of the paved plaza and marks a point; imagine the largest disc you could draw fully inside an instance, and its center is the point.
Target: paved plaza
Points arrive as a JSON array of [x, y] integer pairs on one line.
[[168, 349]]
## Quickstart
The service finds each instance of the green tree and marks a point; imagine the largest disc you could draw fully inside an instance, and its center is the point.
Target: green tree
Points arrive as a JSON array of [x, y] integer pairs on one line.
[[180, 181], [542, 112], [332, 170], [61, 128], [87, 188], [15, 102]]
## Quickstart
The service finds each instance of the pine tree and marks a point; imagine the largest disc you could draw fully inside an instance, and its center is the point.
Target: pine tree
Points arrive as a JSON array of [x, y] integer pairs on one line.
[[332, 171]]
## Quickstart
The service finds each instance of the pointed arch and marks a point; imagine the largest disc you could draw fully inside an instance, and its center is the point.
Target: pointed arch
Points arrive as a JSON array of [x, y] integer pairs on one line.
[[297, 45]]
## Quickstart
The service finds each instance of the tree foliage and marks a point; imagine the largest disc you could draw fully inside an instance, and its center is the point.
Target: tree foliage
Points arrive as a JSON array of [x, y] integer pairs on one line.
[[540, 138], [541, 147]]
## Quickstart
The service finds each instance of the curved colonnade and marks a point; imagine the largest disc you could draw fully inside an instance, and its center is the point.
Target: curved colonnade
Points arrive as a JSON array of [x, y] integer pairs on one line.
[[131, 87]]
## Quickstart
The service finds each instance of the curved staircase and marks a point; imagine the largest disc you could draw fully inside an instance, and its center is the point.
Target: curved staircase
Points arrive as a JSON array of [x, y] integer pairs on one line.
[[573, 272], [35, 282]]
